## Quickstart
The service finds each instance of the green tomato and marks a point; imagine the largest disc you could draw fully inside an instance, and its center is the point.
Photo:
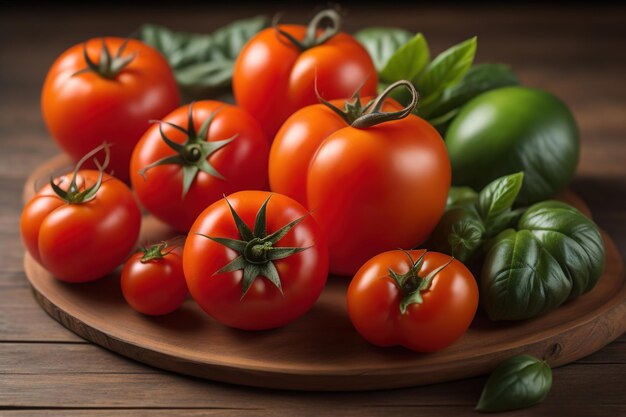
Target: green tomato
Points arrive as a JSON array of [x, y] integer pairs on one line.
[[514, 129]]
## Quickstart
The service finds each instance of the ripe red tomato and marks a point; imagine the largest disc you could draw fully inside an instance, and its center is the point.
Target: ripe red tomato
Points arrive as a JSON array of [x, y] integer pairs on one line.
[[370, 188], [177, 172], [107, 99], [299, 138], [424, 303], [81, 226], [255, 260], [276, 71], [153, 282]]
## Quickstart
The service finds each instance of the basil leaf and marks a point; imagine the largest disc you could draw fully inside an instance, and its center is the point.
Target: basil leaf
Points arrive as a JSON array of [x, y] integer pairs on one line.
[[445, 70], [499, 196], [520, 279], [478, 79], [408, 61], [519, 382], [459, 232], [460, 195], [572, 239], [382, 43], [202, 63]]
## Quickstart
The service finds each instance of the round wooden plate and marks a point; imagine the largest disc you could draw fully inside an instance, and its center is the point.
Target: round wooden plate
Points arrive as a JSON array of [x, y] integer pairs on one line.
[[320, 351]]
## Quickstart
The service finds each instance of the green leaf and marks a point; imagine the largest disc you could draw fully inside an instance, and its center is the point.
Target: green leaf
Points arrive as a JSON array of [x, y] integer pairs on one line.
[[519, 382], [572, 239], [520, 279], [445, 70], [382, 43], [459, 232], [478, 79], [460, 196], [202, 63], [499, 196], [408, 61]]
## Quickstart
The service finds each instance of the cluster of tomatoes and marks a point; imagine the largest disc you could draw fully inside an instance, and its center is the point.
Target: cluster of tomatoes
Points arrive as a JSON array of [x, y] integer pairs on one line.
[[351, 180]]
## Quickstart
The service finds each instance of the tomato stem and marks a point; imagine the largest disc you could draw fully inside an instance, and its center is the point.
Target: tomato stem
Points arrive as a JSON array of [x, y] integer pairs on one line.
[[193, 155], [311, 38], [374, 114], [412, 284], [73, 195], [256, 248], [107, 66]]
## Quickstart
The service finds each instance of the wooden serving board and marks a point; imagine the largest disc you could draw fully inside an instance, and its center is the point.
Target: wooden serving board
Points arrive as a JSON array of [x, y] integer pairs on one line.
[[320, 351]]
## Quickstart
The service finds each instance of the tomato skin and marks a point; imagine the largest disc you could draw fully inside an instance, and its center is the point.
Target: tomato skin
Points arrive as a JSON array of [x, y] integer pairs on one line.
[[446, 312], [82, 111], [243, 163], [303, 275], [155, 287], [297, 141], [377, 189], [86, 241], [272, 78]]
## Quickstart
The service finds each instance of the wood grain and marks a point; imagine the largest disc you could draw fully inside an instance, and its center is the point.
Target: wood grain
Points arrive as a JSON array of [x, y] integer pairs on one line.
[[572, 51], [321, 351]]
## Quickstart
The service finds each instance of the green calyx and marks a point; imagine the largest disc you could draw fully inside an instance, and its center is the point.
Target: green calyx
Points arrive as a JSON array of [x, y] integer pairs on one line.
[[362, 117], [154, 252], [108, 66], [257, 250], [192, 155], [311, 39], [73, 195], [412, 284]]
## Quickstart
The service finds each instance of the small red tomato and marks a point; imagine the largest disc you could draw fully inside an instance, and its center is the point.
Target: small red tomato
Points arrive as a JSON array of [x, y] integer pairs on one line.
[[153, 282], [81, 226], [255, 260], [196, 155], [277, 70], [107, 89], [424, 305]]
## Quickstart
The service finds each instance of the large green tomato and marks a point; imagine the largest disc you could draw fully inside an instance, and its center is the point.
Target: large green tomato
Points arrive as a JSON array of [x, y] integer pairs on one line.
[[514, 129]]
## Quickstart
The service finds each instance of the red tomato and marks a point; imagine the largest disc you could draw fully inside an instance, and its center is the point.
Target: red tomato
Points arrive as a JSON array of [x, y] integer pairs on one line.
[[153, 282], [111, 103], [231, 155], [370, 188], [299, 138], [260, 266], [428, 305], [81, 241], [274, 75]]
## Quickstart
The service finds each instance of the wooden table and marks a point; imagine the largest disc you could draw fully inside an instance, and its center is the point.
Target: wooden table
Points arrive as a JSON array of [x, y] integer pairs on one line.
[[46, 370]]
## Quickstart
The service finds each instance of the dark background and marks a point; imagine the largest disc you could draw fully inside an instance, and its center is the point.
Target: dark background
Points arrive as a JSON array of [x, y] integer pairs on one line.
[[576, 53]]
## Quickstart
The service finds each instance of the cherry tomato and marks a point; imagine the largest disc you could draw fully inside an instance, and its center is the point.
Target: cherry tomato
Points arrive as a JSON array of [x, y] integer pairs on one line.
[[110, 97], [276, 72], [81, 226], [153, 282], [255, 260], [177, 172], [421, 300], [374, 182]]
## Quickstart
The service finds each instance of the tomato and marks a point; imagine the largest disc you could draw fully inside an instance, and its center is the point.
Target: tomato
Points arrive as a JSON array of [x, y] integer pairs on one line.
[[371, 188], [86, 103], [423, 303], [224, 151], [81, 226], [276, 71], [255, 260], [299, 138], [153, 282]]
